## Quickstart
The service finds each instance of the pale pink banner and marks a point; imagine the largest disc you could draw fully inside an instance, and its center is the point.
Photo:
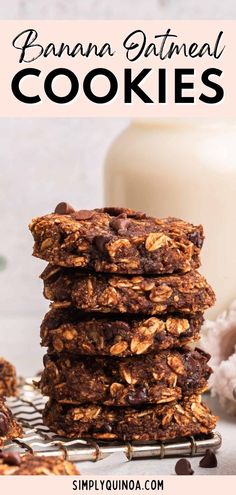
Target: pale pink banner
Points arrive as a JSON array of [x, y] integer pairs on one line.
[[210, 70], [168, 485]]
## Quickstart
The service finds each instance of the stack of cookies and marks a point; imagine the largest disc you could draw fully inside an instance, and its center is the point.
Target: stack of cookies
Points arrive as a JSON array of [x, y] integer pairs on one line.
[[126, 301]]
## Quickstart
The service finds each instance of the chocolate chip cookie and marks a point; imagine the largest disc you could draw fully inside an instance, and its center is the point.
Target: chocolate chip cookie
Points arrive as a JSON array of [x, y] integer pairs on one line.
[[159, 423], [134, 381], [186, 293], [116, 240], [72, 331]]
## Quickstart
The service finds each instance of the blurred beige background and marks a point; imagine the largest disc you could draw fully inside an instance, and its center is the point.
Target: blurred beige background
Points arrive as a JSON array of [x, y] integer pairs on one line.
[[45, 161]]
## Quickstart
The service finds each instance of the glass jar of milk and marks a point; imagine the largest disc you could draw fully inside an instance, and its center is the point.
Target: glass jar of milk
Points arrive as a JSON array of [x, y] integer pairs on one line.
[[186, 169]]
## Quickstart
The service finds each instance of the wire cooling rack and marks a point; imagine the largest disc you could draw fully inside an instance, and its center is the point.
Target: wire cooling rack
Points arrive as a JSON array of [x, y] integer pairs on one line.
[[38, 439]]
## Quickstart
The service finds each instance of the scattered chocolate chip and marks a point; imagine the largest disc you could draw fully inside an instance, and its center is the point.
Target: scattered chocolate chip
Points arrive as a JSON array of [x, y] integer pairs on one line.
[[3, 424], [138, 397], [83, 214], [10, 458], [64, 209], [209, 460], [120, 224], [183, 467], [196, 239], [100, 241]]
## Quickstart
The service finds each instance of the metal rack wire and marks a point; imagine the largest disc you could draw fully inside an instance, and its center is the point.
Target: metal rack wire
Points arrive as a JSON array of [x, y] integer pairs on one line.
[[27, 409]]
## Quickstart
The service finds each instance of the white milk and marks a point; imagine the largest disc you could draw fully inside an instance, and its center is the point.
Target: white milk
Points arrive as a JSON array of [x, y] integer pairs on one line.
[[185, 169]]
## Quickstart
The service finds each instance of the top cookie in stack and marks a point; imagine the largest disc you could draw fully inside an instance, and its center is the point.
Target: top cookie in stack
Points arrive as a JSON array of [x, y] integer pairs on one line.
[[116, 240], [122, 285]]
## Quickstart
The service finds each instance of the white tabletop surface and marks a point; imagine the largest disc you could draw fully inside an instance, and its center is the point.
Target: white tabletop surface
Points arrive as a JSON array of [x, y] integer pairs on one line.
[[117, 464]]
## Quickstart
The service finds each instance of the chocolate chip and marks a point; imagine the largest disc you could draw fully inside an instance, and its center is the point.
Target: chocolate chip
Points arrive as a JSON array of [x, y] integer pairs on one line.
[[112, 330], [204, 354], [107, 427], [113, 211], [120, 224], [192, 364], [64, 209], [3, 424], [100, 241], [160, 337], [137, 397], [209, 460], [196, 239], [109, 332], [121, 325], [83, 214], [183, 467], [10, 458], [137, 215]]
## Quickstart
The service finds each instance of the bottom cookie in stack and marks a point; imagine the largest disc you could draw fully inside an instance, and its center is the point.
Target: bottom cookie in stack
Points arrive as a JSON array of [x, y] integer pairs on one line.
[[160, 422], [141, 398]]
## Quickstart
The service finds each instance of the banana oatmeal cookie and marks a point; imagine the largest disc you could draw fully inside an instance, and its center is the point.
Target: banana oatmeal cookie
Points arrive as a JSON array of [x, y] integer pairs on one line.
[[116, 240], [162, 422], [186, 293], [72, 331], [133, 381]]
